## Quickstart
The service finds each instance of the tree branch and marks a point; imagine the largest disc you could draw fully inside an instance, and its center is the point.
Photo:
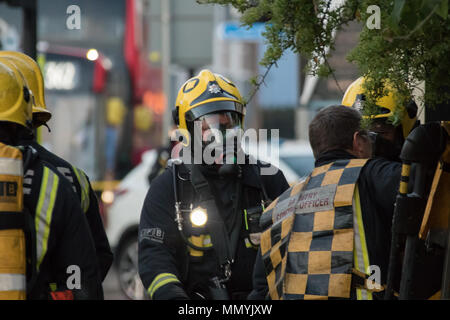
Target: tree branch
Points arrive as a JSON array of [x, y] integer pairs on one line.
[[258, 84]]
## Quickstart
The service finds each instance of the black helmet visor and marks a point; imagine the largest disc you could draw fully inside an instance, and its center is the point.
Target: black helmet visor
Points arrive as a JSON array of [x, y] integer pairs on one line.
[[213, 107]]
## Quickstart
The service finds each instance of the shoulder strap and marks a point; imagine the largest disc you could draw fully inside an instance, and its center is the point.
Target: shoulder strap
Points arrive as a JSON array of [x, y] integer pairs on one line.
[[267, 200], [186, 194], [215, 224], [29, 156]]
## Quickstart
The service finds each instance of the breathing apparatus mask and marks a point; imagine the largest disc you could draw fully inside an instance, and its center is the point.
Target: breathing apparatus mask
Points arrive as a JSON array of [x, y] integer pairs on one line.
[[388, 148], [218, 136]]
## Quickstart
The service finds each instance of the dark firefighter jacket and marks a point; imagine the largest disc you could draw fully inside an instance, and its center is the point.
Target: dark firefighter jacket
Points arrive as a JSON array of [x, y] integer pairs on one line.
[[88, 200], [378, 186], [58, 238], [165, 267], [161, 162]]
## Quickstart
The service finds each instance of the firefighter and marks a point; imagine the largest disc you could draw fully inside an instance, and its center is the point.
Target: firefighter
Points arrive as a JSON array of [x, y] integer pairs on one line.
[[389, 138], [198, 234], [390, 143], [79, 180], [59, 250], [164, 153], [340, 232]]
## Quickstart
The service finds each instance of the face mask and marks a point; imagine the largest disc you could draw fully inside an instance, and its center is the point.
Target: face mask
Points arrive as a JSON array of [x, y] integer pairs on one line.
[[219, 139]]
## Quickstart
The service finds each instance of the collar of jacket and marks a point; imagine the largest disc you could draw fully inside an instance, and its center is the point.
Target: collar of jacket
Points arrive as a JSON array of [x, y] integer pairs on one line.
[[332, 155]]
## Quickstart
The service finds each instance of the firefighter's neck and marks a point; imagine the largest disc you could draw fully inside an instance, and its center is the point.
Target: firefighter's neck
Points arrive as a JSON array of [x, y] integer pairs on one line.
[[8, 133]]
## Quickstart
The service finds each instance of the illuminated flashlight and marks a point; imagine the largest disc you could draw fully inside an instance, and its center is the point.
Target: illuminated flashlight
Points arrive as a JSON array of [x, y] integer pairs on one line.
[[92, 54], [107, 196], [198, 217]]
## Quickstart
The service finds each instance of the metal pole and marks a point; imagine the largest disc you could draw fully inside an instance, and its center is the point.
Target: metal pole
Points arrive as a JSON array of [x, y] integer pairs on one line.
[[166, 60], [29, 34]]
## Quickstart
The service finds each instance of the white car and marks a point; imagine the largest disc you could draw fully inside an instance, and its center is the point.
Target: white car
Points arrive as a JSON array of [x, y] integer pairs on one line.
[[294, 157], [298, 156], [122, 223], [123, 214]]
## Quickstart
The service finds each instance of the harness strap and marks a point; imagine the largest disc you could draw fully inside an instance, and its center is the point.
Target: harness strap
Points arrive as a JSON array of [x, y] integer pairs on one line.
[[12, 221], [215, 224], [29, 155]]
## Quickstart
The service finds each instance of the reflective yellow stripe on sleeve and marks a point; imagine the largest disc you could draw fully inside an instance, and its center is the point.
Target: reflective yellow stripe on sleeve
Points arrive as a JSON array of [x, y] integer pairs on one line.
[[44, 211], [161, 280], [84, 184], [361, 255]]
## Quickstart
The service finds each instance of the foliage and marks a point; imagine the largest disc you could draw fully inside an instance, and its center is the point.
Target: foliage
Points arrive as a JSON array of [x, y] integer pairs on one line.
[[412, 44]]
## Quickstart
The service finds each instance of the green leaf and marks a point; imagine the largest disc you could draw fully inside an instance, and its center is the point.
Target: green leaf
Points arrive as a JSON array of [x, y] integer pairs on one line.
[[397, 11], [442, 10]]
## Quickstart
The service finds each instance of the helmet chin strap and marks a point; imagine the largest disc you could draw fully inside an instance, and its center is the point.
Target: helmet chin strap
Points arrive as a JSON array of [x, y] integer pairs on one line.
[[48, 128]]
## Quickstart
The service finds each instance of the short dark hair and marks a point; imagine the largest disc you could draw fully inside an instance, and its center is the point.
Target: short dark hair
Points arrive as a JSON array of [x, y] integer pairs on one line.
[[333, 128]]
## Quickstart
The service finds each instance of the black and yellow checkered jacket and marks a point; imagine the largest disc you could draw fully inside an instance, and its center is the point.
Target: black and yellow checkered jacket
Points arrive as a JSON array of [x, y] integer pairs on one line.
[[317, 246]]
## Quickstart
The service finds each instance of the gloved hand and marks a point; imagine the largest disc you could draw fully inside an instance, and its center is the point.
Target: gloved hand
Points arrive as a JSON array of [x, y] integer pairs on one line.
[[171, 291]]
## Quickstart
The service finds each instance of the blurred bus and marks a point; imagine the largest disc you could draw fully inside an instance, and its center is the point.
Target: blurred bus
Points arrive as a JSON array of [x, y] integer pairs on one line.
[[105, 96]]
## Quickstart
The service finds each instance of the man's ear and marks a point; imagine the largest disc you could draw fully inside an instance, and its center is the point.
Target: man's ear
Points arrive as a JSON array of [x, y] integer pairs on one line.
[[356, 143], [362, 147]]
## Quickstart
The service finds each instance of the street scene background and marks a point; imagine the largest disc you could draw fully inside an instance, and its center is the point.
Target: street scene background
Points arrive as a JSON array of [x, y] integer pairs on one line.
[[112, 71]]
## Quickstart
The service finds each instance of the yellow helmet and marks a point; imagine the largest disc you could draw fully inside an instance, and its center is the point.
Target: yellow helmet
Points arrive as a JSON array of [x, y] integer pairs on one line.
[[15, 98], [206, 93], [354, 97], [33, 77]]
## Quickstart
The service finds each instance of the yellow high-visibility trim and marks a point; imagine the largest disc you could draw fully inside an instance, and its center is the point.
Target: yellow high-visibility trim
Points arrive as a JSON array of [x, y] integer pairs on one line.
[[406, 169], [403, 189], [362, 245], [41, 195], [161, 280], [44, 210], [48, 217], [53, 287]]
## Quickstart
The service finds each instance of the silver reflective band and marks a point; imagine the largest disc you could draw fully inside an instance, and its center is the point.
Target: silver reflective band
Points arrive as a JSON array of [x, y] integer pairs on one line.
[[12, 282], [11, 166], [68, 175]]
